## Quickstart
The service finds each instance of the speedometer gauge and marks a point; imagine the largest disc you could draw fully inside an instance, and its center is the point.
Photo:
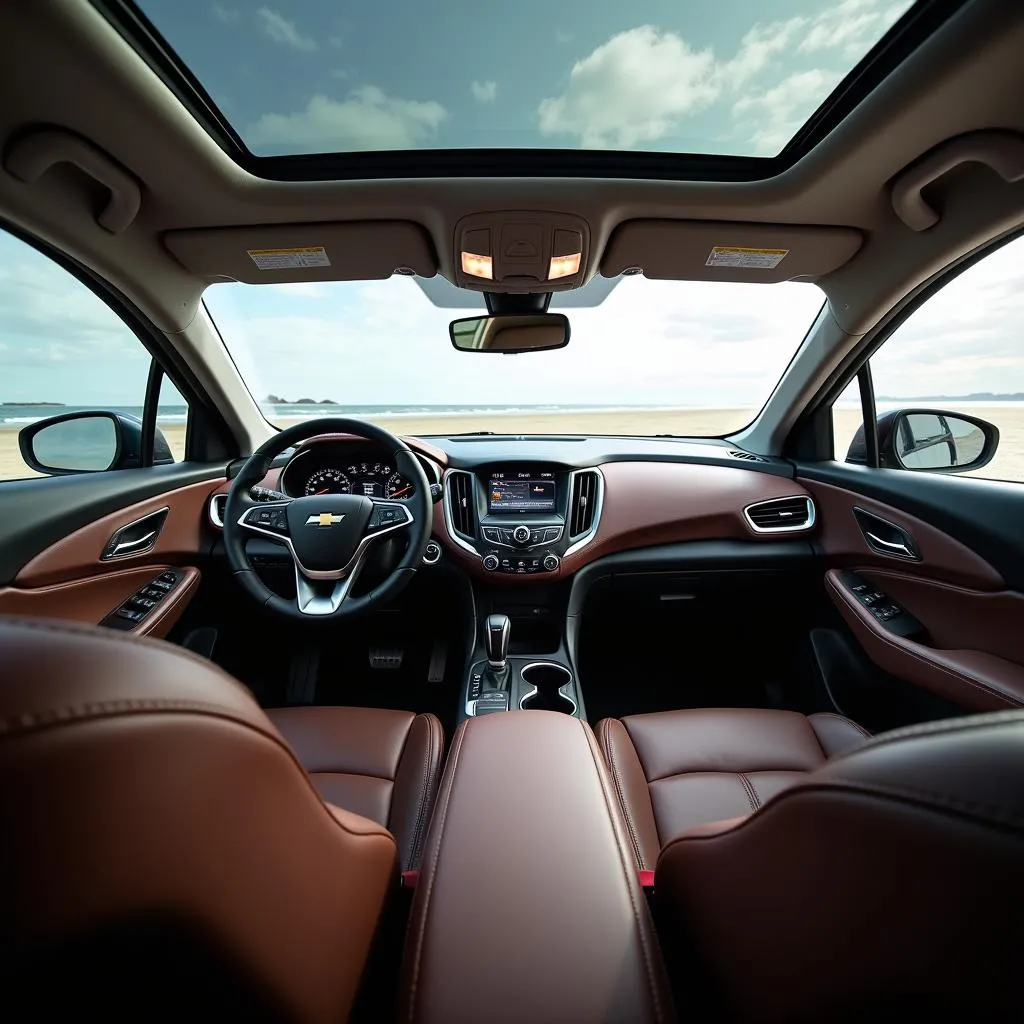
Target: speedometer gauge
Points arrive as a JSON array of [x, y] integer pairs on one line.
[[328, 481], [397, 487]]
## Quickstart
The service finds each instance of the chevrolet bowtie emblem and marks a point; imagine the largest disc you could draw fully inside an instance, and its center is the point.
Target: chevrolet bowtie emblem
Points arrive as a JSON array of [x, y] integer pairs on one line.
[[324, 519]]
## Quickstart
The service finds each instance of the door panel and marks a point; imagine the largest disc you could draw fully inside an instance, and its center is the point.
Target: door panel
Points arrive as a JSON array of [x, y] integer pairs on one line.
[[78, 554], [54, 531], [973, 679], [844, 544], [971, 650], [93, 598]]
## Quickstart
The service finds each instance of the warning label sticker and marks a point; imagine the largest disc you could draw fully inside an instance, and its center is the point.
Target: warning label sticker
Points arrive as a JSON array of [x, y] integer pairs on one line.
[[748, 259], [290, 259]]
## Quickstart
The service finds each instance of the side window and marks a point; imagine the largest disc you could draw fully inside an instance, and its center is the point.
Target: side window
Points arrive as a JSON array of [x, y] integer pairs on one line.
[[951, 370], [73, 376]]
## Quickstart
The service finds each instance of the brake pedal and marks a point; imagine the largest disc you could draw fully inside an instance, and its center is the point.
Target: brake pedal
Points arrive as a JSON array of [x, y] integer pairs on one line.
[[386, 658]]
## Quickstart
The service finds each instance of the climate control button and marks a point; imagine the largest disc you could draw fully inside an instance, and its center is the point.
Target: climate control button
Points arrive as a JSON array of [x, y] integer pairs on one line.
[[521, 534], [490, 562], [550, 562]]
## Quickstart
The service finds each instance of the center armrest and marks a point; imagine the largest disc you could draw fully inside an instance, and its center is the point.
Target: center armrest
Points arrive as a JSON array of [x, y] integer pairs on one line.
[[528, 906]]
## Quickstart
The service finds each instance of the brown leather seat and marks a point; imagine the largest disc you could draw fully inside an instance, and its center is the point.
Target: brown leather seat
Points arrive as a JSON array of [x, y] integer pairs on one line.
[[384, 765], [885, 885], [678, 769], [164, 854]]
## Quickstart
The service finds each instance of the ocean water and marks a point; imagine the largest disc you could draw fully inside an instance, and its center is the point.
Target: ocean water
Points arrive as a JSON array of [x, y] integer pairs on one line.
[[12, 415]]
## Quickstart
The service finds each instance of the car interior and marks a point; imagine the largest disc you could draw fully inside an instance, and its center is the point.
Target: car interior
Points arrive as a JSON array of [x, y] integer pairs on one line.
[[636, 631]]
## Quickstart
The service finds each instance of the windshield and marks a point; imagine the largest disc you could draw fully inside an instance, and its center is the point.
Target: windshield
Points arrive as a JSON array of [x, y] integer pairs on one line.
[[655, 357]]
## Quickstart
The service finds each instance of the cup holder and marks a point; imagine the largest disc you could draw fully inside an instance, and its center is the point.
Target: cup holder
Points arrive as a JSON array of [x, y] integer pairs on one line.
[[547, 677]]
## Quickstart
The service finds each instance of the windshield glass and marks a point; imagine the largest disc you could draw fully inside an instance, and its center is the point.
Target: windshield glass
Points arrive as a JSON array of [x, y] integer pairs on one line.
[[655, 357]]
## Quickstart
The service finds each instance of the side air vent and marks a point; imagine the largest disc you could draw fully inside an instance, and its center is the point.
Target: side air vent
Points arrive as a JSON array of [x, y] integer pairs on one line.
[[218, 503], [583, 502], [461, 503], [781, 515], [735, 453]]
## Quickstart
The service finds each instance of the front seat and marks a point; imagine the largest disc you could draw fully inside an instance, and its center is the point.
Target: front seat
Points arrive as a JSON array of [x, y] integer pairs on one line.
[[674, 770], [880, 886], [164, 854]]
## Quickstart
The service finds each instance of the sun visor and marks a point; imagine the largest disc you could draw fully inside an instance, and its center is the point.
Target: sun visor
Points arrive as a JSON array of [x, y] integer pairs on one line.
[[689, 250], [279, 253]]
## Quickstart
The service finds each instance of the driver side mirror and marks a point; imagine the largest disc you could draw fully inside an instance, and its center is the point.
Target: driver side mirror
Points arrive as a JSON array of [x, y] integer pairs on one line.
[[929, 441], [88, 442]]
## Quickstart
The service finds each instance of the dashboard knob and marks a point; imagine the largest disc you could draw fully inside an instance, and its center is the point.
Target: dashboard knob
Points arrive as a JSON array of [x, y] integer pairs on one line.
[[521, 534], [490, 562], [550, 562]]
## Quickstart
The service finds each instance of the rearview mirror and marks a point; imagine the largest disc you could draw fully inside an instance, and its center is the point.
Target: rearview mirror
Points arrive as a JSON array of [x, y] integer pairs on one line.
[[930, 441], [87, 442], [537, 332]]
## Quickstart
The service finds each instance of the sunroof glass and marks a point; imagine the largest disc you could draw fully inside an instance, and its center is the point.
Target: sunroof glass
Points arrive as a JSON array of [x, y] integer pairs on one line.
[[728, 77]]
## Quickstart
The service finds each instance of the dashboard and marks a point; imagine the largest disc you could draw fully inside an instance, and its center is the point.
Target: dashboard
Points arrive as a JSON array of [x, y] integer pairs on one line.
[[341, 467]]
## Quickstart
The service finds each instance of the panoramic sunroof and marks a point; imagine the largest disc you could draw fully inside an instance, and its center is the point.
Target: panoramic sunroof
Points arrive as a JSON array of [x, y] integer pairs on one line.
[[724, 77]]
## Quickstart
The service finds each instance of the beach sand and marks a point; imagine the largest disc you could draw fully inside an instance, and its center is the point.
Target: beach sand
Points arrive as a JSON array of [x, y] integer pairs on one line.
[[1008, 463]]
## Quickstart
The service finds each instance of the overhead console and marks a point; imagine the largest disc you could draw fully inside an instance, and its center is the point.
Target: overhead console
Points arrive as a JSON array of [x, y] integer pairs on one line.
[[522, 518]]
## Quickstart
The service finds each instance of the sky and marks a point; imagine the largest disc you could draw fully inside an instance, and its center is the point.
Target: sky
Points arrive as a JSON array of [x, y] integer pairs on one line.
[[720, 76], [307, 74]]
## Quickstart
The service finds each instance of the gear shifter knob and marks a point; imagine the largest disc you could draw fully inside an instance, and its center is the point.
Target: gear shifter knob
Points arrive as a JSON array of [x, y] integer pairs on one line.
[[496, 636]]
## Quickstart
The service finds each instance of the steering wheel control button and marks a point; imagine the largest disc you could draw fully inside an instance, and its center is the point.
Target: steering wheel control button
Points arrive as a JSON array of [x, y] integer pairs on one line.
[[521, 534]]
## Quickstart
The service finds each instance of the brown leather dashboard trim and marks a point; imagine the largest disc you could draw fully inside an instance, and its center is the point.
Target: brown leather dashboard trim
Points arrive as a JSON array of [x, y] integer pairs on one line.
[[78, 555], [942, 557], [649, 503], [92, 598], [973, 679]]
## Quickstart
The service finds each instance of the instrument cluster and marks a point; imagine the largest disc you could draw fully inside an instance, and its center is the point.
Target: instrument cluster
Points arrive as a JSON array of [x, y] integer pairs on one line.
[[340, 468]]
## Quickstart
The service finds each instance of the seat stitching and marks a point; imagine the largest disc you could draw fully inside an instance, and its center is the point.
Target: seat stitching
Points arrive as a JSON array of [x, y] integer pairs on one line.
[[421, 814], [846, 721], [626, 813], [1005, 697], [631, 881], [345, 772], [752, 796], [431, 871]]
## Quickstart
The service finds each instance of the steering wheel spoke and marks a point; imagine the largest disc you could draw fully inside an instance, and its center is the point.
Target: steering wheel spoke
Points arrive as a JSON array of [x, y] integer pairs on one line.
[[269, 518]]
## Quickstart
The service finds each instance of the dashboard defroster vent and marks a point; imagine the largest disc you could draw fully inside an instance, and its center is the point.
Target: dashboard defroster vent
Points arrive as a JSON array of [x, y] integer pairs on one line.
[[583, 502], [735, 453], [781, 515], [462, 502]]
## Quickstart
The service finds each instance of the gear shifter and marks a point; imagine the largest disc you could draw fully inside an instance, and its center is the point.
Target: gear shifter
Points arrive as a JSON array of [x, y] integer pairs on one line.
[[496, 636], [494, 694]]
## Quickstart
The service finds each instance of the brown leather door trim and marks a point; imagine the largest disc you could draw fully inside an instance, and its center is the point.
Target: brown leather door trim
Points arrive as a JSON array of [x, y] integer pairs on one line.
[[974, 679], [942, 557], [93, 598], [78, 554]]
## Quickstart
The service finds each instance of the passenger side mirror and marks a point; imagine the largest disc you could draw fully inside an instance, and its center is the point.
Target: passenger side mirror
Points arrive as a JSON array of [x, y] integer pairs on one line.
[[929, 441], [537, 332], [87, 442]]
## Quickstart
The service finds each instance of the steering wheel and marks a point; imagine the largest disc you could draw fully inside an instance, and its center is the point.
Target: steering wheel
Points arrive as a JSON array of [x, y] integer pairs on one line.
[[329, 535]]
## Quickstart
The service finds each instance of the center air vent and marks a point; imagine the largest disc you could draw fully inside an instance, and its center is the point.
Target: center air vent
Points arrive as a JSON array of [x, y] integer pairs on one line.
[[583, 502], [735, 453], [461, 502], [781, 515]]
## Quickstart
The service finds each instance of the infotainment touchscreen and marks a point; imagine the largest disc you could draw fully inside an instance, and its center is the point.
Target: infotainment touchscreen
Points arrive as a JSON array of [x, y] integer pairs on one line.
[[521, 492]]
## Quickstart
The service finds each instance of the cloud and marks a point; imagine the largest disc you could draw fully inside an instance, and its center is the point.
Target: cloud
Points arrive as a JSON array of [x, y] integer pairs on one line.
[[484, 92], [643, 84], [851, 26], [281, 30], [633, 88], [776, 115], [225, 15], [366, 119]]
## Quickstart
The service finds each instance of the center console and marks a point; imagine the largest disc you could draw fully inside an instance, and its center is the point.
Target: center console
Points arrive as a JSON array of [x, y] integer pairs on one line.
[[522, 518]]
